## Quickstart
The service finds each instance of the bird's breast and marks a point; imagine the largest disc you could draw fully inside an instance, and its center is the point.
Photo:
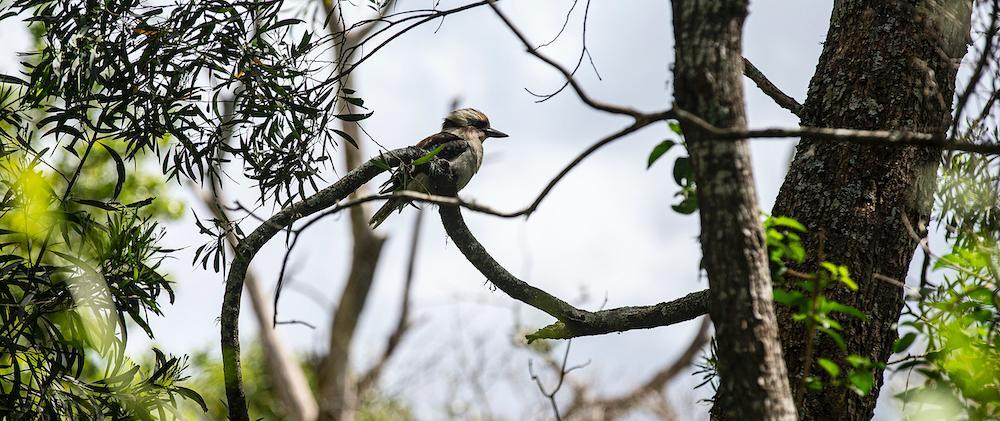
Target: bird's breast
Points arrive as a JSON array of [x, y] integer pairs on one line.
[[467, 164]]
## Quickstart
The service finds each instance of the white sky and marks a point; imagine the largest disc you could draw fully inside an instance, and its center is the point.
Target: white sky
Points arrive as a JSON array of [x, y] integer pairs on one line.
[[607, 229]]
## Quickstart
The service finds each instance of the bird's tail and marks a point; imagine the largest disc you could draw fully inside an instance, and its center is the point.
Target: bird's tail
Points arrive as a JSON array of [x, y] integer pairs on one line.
[[387, 209]]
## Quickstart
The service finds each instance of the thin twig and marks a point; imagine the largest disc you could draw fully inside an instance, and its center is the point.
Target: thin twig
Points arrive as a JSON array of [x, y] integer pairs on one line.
[[606, 107], [765, 85]]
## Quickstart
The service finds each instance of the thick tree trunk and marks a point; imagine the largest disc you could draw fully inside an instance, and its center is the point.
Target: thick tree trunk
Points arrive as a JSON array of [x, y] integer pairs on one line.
[[887, 65], [707, 82]]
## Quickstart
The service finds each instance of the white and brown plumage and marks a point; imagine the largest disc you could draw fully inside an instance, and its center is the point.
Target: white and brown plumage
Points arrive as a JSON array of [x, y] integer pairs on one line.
[[462, 134]]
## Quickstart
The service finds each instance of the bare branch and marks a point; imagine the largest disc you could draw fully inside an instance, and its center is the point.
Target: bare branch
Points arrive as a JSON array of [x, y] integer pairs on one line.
[[403, 321], [765, 85], [871, 137], [614, 407], [606, 107]]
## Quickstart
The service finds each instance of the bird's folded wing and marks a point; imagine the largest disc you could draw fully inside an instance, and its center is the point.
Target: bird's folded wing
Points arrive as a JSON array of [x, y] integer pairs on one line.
[[451, 146]]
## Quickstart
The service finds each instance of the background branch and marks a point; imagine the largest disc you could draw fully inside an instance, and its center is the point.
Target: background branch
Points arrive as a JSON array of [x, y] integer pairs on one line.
[[765, 85]]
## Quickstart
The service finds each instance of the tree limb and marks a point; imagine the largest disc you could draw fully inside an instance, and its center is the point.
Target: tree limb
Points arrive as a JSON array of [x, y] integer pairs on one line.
[[251, 244], [367, 380], [614, 407], [765, 85], [573, 321], [871, 137]]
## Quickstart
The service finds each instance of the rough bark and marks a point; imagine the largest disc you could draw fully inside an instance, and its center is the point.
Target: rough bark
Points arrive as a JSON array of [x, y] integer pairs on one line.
[[885, 65], [707, 82]]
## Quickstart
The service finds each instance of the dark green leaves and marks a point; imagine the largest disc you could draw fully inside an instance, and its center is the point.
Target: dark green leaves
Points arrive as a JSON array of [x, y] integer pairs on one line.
[[658, 151], [354, 117], [904, 342], [119, 169], [684, 177]]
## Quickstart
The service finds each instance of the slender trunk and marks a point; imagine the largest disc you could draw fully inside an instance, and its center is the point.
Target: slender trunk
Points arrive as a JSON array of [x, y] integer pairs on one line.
[[886, 65], [707, 81], [338, 400]]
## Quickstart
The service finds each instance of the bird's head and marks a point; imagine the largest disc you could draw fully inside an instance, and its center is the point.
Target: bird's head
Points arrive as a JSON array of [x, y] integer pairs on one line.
[[470, 118]]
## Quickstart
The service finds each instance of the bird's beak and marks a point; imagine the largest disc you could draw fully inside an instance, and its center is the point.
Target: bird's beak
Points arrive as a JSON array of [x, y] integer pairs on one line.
[[491, 132]]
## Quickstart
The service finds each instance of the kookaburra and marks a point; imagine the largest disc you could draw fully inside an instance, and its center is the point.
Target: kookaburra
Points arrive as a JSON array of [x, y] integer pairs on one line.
[[467, 128]]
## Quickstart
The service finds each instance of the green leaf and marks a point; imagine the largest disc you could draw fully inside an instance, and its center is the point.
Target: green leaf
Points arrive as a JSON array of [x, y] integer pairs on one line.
[[863, 381], [784, 221], [380, 163], [675, 127], [658, 151], [829, 366], [904, 342], [858, 361], [787, 298], [682, 171], [354, 117], [119, 168], [846, 309], [688, 206], [192, 395], [354, 101], [835, 336], [428, 156], [346, 137], [97, 204]]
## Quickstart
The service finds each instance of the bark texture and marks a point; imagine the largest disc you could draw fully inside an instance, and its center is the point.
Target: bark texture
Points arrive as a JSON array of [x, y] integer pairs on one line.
[[885, 65], [707, 82]]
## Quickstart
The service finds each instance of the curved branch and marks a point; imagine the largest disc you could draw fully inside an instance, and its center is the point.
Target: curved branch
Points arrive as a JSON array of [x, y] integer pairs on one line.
[[573, 321], [251, 244]]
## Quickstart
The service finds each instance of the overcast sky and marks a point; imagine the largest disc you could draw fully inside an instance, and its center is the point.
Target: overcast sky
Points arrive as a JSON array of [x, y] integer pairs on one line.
[[607, 230]]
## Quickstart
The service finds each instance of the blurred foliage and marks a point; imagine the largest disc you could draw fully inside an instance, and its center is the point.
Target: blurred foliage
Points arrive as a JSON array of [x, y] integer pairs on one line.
[[683, 173], [80, 267], [950, 344], [209, 382], [73, 279]]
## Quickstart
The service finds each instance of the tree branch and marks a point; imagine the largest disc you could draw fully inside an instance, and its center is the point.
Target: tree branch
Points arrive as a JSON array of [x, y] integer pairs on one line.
[[593, 103], [367, 380], [251, 244], [870, 137], [614, 407], [285, 375], [573, 321], [765, 85]]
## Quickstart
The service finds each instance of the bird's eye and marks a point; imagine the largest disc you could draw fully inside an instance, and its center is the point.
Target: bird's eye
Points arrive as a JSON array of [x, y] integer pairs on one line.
[[479, 124]]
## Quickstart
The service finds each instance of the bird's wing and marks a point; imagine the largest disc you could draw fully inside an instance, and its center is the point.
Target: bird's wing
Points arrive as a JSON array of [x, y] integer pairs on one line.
[[452, 146]]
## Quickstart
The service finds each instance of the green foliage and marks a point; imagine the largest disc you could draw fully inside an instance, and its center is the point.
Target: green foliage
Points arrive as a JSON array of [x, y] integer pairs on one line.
[[683, 173], [72, 281], [263, 405], [658, 151], [138, 71], [811, 306], [957, 318]]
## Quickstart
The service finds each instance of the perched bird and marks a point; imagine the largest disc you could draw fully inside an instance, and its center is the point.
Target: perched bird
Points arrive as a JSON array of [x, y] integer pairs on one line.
[[461, 138]]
